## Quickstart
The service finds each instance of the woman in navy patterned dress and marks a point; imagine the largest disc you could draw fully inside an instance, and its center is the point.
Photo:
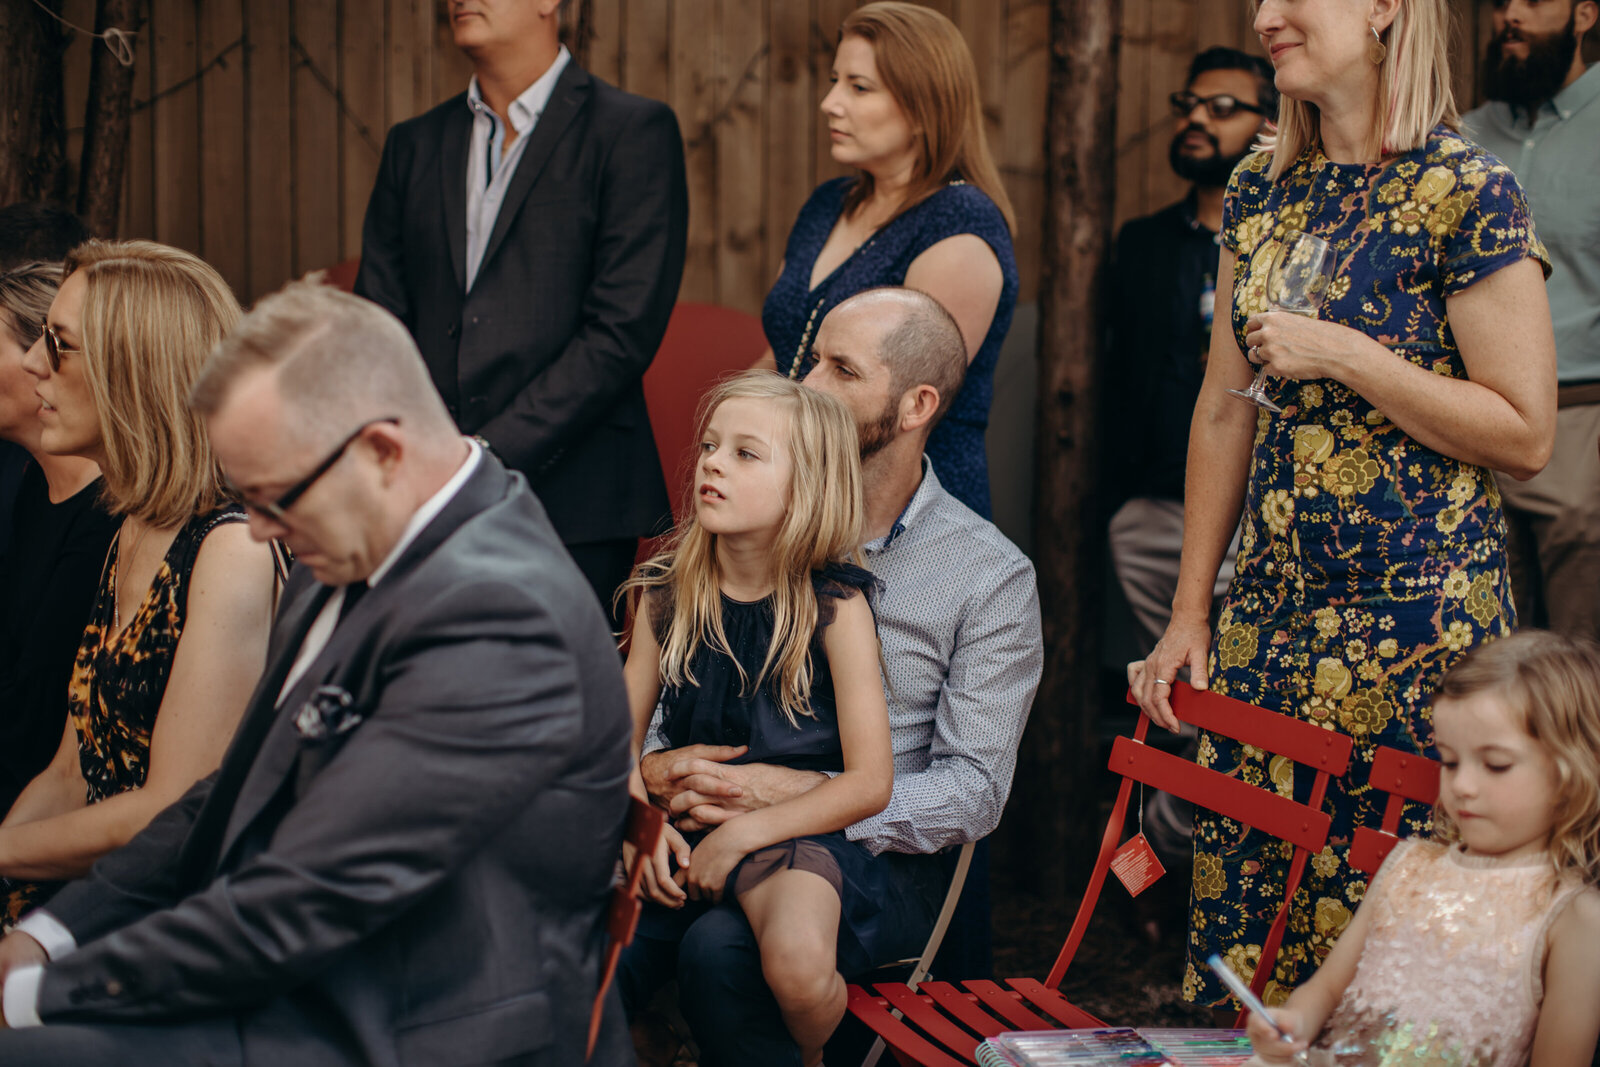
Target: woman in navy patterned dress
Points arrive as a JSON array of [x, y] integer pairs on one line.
[[1373, 547], [926, 209]]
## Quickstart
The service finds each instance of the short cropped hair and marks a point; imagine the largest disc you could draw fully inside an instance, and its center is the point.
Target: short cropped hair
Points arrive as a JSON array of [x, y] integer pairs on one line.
[[151, 314], [339, 360], [1220, 57], [36, 232], [924, 347], [25, 296]]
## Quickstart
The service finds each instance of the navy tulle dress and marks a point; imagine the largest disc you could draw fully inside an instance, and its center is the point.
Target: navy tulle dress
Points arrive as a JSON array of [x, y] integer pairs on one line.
[[794, 310], [717, 711]]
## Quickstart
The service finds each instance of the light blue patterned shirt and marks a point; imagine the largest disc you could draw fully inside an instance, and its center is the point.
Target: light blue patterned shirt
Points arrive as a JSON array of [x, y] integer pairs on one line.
[[958, 616]]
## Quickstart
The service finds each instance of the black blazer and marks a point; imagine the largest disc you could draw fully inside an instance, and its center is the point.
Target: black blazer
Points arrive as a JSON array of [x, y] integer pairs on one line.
[[427, 887], [544, 356]]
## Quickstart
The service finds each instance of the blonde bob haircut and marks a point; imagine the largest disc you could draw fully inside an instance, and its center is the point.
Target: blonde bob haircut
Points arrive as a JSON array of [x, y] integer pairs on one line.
[[1551, 684], [1414, 93], [151, 316], [927, 68], [822, 524]]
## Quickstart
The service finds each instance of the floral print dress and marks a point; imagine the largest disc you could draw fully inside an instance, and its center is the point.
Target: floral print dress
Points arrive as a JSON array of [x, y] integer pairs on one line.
[[1368, 563], [118, 681]]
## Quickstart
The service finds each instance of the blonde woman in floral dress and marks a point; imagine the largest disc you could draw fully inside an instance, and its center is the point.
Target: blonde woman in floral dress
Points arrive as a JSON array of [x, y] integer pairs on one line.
[[1373, 544]]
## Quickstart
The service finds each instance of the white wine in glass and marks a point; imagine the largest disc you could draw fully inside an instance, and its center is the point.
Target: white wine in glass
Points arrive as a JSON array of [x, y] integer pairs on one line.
[[1301, 272]]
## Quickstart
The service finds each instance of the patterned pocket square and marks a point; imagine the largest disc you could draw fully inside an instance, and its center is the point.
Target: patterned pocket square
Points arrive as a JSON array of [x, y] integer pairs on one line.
[[326, 714]]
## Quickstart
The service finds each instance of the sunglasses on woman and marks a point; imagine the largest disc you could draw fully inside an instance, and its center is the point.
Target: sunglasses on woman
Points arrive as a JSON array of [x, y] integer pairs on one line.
[[53, 347], [1221, 106]]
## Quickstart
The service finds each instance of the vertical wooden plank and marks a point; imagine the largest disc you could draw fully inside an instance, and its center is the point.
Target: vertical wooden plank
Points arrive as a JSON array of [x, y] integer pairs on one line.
[[177, 124], [824, 42], [399, 67], [605, 47], [316, 135], [451, 70], [222, 154], [647, 49], [75, 82], [791, 100], [1027, 78], [268, 135], [1133, 97], [695, 52], [982, 23], [361, 134], [947, 8], [1172, 24], [1216, 24], [742, 272], [139, 204]]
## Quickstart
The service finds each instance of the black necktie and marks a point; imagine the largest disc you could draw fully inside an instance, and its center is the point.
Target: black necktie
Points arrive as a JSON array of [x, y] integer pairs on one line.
[[352, 593]]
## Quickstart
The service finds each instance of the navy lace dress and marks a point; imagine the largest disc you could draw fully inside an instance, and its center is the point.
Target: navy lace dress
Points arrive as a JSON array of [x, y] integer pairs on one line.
[[718, 711], [793, 310]]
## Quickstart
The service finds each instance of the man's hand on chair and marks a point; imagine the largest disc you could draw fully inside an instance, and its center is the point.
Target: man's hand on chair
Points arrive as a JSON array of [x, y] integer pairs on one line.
[[700, 789]]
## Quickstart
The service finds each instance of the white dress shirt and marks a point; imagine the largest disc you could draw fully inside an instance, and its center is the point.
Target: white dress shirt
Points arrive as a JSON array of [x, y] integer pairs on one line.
[[491, 164], [21, 995]]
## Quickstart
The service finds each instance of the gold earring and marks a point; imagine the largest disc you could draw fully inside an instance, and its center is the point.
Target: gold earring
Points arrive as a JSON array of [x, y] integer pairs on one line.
[[1377, 50]]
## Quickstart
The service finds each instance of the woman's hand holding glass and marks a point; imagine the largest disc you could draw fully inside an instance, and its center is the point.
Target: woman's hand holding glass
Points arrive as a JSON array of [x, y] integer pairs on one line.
[[1302, 349], [1302, 272]]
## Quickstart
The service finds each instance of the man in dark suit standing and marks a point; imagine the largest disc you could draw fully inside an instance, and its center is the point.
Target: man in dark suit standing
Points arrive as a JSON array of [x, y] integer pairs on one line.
[[405, 857], [530, 234]]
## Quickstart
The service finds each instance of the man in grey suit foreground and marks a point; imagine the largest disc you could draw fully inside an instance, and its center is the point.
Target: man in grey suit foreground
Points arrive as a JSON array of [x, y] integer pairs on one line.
[[406, 854]]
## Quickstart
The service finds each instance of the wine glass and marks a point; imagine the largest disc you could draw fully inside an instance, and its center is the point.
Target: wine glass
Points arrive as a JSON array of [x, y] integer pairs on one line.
[[1298, 283]]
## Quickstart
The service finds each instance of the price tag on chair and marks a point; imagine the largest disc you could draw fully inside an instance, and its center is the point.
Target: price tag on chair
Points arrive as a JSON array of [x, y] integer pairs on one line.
[[1135, 864]]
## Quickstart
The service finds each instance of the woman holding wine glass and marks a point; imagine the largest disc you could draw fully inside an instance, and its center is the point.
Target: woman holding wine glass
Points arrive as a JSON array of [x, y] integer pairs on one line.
[[1373, 545]]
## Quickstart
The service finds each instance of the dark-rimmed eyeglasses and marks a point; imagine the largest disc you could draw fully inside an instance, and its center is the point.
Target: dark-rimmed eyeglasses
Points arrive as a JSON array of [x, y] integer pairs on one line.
[[1221, 106], [278, 509], [53, 348]]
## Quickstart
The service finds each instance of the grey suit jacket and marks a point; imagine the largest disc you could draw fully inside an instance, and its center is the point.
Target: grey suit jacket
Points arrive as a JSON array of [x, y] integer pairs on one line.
[[427, 887]]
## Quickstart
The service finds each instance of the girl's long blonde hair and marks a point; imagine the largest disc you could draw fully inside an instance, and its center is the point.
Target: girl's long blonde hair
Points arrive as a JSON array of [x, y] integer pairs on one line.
[[822, 524], [1414, 93], [1553, 683]]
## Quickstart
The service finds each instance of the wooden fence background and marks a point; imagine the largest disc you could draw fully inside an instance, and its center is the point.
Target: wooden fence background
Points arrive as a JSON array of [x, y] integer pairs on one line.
[[259, 122]]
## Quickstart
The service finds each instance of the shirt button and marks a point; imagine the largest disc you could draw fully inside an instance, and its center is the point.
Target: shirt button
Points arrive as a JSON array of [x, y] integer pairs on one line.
[[1528, 143], [113, 988]]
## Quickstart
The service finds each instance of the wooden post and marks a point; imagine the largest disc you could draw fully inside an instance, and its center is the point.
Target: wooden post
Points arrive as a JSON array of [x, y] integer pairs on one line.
[[1054, 815], [32, 126], [105, 125]]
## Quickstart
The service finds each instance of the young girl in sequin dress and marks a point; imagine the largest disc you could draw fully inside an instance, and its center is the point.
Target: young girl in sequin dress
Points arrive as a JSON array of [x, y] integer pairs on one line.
[[1482, 945], [754, 629]]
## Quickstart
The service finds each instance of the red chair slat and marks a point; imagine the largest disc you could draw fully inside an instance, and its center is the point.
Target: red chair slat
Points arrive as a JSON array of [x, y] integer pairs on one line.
[[1369, 848], [1054, 1004], [1307, 744], [1269, 812], [1405, 774], [642, 830], [1006, 1003], [896, 1034], [924, 1014], [963, 1007]]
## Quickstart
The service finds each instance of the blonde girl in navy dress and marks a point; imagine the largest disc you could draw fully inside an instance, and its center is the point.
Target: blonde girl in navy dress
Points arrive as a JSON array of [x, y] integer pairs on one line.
[[754, 628]]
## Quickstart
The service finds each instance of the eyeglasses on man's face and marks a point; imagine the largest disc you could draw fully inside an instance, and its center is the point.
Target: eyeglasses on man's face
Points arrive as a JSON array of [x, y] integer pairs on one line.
[[53, 347], [278, 509], [1220, 106]]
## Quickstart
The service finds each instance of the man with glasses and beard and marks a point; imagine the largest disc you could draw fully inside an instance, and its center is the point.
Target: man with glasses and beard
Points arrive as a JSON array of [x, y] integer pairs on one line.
[[1162, 290], [1543, 120]]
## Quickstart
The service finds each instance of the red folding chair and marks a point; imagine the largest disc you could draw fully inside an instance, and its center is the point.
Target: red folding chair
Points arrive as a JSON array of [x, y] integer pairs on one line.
[[940, 1024], [642, 832], [1404, 776]]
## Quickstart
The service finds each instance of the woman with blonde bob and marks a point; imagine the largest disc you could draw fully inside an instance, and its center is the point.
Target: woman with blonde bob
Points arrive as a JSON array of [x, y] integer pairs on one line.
[[177, 634], [925, 208], [753, 629], [1373, 544]]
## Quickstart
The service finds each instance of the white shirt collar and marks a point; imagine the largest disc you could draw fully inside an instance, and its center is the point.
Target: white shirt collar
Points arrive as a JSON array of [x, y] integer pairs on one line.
[[428, 511], [525, 109]]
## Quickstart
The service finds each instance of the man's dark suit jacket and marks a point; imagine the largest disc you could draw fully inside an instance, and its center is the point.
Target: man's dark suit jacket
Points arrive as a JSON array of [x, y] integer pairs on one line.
[[427, 888], [544, 356]]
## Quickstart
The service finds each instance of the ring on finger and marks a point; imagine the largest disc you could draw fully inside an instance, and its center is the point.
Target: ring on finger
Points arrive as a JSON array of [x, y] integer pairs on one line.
[[1252, 354], [1162, 681]]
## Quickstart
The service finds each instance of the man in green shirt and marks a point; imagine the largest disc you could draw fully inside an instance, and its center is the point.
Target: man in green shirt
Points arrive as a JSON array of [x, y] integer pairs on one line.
[[1543, 120]]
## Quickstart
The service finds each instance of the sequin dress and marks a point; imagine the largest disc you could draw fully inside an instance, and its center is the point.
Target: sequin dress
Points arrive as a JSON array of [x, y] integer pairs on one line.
[[1434, 912], [793, 309], [1368, 563], [119, 679]]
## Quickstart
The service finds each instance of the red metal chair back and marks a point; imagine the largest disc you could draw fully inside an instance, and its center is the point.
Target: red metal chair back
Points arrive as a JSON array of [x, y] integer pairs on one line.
[[642, 831], [1404, 776], [951, 1021]]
